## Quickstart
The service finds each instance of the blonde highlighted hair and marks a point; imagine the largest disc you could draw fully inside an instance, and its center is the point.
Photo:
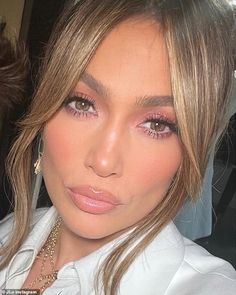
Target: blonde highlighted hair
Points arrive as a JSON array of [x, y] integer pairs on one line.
[[198, 38]]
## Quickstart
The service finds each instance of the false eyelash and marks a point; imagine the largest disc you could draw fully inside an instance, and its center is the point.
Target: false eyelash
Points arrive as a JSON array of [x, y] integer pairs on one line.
[[162, 120], [75, 96]]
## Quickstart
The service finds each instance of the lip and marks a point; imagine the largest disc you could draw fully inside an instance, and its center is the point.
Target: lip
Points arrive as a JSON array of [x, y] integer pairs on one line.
[[92, 200]]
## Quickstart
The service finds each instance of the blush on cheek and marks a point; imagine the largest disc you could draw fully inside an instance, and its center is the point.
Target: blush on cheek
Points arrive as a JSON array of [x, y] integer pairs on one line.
[[162, 166], [157, 175], [57, 143], [55, 148], [156, 169]]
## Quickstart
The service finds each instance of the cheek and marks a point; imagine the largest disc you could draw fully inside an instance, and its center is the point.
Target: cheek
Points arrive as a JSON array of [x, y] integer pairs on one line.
[[157, 166], [59, 144]]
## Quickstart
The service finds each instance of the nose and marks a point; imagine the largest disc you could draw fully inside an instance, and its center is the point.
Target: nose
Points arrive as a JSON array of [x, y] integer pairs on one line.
[[104, 157]]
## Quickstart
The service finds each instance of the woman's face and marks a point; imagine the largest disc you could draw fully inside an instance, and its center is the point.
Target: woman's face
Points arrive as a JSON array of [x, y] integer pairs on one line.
[[112, 150]]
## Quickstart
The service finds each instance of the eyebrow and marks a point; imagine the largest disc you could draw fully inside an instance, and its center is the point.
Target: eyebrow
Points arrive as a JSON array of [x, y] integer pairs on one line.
[[144, 101], [155, 100], [94, 84]]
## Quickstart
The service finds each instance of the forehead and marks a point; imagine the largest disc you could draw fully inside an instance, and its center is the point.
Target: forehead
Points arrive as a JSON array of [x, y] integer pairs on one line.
[[133, 58]]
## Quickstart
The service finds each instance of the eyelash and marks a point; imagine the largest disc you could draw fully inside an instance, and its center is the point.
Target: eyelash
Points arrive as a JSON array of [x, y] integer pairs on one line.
[[71, 100], [162, 120]]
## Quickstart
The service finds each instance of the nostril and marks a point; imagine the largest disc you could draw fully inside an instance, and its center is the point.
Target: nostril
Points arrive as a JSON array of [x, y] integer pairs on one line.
[[105, 157], [102, 171], [104, 164]]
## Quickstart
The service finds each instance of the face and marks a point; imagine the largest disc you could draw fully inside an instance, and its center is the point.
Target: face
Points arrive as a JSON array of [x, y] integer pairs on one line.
[[111, 151]]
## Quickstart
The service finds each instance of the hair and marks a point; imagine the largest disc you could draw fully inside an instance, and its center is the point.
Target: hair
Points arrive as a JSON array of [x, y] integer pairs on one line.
[[198, 38], [13, 72], [14, 87]]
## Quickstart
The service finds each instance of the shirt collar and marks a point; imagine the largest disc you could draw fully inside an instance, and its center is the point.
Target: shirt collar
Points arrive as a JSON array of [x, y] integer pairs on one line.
[[40, 229], [167, 249], [162, 258]]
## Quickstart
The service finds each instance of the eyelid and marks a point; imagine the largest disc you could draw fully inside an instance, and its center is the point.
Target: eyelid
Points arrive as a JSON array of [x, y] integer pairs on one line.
[[76, 97], [173, 127], [162, 119]]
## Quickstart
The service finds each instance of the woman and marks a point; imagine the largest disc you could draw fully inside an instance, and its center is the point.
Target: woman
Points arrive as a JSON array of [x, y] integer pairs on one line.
[[123, 120]]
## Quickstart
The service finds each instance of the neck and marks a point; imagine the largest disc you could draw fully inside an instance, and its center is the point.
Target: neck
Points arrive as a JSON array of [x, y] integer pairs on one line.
[[72, 247]]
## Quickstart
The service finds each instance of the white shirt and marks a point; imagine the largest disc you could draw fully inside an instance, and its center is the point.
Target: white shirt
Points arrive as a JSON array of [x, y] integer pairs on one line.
[[170, 265]]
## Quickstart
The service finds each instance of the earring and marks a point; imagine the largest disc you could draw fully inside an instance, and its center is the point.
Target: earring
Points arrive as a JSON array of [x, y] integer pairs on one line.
[[37, 164]]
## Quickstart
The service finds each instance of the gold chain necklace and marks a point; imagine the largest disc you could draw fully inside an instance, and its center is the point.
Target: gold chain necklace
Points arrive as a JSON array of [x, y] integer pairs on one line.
[[47, 253]]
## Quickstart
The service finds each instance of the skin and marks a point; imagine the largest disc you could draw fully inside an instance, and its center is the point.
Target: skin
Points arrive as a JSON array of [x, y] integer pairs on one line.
[[111, 146]]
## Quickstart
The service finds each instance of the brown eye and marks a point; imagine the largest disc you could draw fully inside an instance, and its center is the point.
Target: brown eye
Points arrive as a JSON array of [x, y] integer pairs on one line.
[[157, 126], [82, 105]]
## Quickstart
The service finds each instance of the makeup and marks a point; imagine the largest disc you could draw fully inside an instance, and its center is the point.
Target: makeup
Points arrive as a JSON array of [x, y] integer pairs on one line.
[[158, 126], [92, 200], [79, 104]]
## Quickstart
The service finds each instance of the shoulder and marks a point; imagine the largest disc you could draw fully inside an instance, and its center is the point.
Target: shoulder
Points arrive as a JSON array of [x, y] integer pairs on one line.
[[174, 265], [202, 273], [6, 224], [184, 267]]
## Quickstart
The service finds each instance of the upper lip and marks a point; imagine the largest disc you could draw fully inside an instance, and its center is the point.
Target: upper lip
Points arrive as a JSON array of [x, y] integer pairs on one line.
[[95, 193]]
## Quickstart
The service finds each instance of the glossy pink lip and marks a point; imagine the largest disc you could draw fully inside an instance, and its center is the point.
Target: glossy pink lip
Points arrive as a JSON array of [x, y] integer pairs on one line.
[[92, 200]]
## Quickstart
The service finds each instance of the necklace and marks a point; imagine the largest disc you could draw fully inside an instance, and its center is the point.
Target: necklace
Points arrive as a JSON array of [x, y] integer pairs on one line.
[[47, 253]]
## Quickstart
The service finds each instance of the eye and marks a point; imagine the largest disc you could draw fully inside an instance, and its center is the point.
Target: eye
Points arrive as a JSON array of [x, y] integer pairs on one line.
[[80, 105], [158, 127]]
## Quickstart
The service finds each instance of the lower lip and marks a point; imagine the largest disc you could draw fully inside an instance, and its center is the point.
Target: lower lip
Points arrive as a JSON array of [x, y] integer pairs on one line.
[[90, 205]]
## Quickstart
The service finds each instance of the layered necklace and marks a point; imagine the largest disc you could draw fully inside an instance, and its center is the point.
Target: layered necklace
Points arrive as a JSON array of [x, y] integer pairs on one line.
[[47, 253]]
